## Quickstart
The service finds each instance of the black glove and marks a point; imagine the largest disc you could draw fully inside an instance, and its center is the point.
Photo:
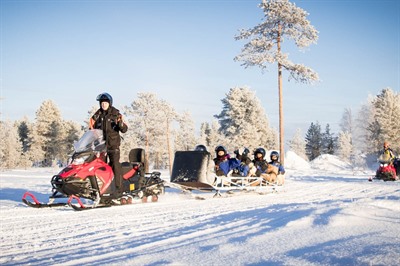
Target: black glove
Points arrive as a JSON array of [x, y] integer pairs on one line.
[[120, 123]]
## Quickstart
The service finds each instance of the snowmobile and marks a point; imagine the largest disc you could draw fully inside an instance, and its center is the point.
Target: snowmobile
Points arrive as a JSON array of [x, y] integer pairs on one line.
[[388, 170], [88, 177]]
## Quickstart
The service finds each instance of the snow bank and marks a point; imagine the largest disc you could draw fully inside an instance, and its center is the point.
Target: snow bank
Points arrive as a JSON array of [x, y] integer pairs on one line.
[[293, 161], [330, 163]]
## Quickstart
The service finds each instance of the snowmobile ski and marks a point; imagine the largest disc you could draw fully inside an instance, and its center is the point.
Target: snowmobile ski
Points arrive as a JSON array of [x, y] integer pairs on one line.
[[38, 204]]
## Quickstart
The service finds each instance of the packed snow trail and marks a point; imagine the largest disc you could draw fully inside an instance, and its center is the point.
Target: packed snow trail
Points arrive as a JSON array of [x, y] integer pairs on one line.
[[315, 220]]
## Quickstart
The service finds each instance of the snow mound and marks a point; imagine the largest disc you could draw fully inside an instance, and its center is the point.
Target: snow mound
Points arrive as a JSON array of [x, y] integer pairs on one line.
[[293, 161], [329, 162]]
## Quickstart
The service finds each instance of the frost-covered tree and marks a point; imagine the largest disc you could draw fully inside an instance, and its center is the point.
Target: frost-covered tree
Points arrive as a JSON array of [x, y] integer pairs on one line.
[[185, 138], [168, 118], [298, 145], [215, 137], [10, 146], [282, 19], [210, 136], [361, 134], [73, 132], [243, 121], [328, 141], [386, 125], [151, 119], [49, 132], [313, 141], [204, 138], [347, 123], [344, 146]]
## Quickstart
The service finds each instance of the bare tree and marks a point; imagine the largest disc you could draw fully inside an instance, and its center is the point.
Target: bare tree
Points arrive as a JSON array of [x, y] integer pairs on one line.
[[282, 19]]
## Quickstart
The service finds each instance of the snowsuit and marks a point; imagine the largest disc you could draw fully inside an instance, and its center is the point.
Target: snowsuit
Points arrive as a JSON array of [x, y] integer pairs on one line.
[[110, 121], [243, 168], [224, 164]]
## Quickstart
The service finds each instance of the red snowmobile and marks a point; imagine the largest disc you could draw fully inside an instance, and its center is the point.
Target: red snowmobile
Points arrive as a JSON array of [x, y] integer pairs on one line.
[[89, 177], [388, 170]]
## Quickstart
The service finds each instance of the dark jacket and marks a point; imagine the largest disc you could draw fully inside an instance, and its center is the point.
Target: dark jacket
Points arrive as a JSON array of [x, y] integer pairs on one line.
[[261, 165], [111, 123]]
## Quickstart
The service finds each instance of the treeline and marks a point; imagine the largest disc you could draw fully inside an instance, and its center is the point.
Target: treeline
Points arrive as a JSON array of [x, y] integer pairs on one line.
[[361, 134], [157, 127]]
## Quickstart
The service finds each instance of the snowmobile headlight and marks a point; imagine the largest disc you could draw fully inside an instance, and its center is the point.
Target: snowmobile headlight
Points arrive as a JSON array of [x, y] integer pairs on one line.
[[80, 160]]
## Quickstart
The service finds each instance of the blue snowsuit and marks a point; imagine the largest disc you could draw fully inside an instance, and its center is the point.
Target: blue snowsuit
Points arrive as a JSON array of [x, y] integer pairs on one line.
[[228, 165]]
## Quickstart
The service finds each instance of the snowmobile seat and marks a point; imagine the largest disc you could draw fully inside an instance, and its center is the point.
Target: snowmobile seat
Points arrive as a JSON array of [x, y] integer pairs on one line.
[[137, 156]]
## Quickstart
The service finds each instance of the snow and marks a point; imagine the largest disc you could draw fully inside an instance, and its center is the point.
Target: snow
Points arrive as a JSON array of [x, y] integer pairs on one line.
[[326, 214]]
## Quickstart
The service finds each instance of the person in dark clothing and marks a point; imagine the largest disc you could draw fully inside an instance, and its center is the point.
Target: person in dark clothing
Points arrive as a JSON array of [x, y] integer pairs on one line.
[[244, 162], [221, 158], [109, 119], [260, 164]]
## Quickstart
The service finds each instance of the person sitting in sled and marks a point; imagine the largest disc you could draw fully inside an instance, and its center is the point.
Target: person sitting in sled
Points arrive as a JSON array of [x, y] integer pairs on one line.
[[274, 156], [223, 163], [262, 168], [243, 161], [109, 119]]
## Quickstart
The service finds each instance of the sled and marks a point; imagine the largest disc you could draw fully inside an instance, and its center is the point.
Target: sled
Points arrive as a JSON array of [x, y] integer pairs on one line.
[[192, 170], [89, 177]]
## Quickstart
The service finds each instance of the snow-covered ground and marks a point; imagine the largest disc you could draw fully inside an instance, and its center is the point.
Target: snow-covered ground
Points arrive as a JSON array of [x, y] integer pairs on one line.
[[326, 214]]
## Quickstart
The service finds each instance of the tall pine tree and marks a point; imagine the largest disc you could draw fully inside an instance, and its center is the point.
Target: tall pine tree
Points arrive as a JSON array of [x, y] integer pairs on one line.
[[328, 141], [314, 141]]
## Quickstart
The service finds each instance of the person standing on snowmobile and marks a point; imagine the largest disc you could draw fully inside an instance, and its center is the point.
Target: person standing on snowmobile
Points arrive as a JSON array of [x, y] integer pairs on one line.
[[109, 119], [387, 151]]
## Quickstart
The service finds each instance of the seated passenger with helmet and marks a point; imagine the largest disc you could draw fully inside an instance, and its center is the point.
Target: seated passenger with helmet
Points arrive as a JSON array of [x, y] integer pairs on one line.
[[223, 163], [243, 161], [262, 168], [274, 156]]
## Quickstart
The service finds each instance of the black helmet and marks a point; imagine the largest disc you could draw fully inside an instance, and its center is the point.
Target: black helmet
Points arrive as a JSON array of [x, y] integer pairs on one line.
[[200, 148], [104, 97], [243, 151], [220, 148], [260, 150], [274, 153]]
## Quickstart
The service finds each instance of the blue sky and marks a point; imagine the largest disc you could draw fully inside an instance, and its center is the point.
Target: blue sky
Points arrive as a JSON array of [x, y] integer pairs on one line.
[[70, 51]]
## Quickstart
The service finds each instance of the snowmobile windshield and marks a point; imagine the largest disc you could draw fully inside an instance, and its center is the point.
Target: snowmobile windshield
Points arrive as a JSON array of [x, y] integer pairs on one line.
[[92, 140]]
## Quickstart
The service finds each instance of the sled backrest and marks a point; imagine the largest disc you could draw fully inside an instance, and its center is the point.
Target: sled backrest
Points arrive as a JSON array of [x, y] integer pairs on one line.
[[192, 168]]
